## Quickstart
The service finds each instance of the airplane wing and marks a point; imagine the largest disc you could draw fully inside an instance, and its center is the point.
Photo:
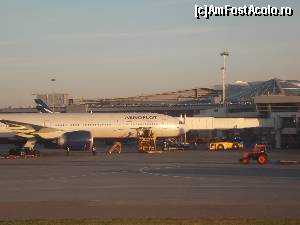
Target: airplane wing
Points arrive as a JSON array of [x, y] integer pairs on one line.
[[27, 130]]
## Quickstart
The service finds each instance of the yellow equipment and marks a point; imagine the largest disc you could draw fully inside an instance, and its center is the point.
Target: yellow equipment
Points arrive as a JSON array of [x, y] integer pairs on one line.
[[225, 145], [146, 140]]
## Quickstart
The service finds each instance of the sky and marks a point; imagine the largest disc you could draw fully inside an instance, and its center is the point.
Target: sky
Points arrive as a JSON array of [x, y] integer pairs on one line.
[[102, 49]]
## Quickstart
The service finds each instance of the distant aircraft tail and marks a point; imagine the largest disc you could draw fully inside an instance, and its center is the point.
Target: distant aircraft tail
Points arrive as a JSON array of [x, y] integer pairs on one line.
[[42, 107]]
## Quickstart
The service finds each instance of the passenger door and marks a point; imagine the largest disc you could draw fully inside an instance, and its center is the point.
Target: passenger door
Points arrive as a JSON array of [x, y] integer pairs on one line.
[[164, 124], [47, 123]]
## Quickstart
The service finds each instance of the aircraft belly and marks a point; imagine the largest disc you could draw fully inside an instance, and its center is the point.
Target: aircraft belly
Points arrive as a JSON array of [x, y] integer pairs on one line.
[[114, 133], [162, 132]]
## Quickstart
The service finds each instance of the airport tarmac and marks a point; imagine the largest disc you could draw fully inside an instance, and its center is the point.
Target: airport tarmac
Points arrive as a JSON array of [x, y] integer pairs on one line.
[[186, 184]]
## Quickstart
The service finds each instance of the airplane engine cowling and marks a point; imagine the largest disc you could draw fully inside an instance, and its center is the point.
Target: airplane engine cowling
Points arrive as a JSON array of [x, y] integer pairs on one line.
[[76, 140]]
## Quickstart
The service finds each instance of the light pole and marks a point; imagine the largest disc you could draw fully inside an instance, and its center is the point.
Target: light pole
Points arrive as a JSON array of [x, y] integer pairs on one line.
[[224, 68], [53, 95]]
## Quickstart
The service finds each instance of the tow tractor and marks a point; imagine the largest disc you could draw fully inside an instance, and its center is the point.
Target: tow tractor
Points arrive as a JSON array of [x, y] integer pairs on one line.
[[258, 153], [226, 145]]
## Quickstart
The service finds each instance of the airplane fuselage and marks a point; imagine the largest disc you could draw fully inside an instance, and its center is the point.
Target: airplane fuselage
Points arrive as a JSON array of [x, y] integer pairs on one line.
[[101, 126]]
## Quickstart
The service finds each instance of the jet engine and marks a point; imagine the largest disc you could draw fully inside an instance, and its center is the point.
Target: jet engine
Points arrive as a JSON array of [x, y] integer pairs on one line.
[[76, 140]]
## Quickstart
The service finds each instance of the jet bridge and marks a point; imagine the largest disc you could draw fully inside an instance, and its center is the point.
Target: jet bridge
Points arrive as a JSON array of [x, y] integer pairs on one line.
[[212, 123]]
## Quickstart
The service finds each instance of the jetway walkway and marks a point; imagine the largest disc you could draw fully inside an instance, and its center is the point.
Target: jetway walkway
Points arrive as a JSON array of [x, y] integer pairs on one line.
[[212, 123]]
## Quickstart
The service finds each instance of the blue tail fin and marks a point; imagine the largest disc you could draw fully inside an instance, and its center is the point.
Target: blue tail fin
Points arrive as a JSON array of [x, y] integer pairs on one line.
[[42, 107]]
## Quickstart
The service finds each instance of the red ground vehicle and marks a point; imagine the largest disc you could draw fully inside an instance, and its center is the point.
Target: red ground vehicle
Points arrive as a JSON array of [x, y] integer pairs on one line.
[[258, 153]]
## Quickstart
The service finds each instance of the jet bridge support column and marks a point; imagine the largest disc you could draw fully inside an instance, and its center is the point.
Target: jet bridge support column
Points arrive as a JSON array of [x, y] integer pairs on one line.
[[277, 127], [277, 139]]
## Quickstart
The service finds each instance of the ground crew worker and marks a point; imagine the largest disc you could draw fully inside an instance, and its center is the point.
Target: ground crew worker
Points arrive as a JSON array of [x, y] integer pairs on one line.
[[68, 151], [153, 137], [94, 150]]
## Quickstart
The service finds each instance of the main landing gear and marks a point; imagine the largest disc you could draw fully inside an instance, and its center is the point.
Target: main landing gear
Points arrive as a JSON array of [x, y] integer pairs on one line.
[[24, 152], [27, 150]]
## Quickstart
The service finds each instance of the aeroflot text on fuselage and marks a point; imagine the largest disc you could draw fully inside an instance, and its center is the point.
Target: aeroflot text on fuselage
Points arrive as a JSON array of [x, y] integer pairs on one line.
[[141, 117]]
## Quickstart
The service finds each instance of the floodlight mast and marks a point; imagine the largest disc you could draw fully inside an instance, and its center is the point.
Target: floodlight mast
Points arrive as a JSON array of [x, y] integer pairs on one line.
[[53, 95], [224, 68]]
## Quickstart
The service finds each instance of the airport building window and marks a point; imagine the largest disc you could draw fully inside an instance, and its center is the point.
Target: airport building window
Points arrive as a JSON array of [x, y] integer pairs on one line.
[[289, 122]]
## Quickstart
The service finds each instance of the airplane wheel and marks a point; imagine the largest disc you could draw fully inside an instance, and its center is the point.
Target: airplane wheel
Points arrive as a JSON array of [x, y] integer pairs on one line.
[[235, 146], [221, 147], [262, 159]]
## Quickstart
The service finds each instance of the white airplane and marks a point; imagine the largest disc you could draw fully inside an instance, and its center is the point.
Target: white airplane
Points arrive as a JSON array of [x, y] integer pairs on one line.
[[77, 131]]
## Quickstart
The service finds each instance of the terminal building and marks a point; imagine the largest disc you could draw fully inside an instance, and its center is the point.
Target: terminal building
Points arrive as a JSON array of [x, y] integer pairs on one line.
[[285, 111], [192, 102], [57, 99], [278, 100]]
